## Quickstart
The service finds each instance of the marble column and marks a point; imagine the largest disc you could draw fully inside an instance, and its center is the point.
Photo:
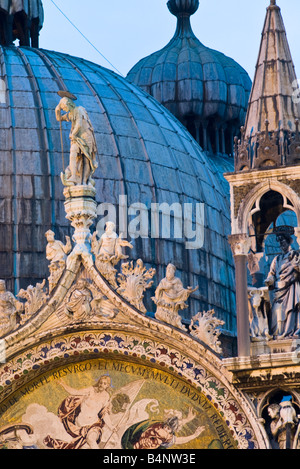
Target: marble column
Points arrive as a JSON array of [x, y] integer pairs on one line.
[[240, 245]]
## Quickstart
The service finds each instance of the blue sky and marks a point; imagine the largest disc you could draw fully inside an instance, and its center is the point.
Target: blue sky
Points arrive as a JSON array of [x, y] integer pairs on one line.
[[125, 31]]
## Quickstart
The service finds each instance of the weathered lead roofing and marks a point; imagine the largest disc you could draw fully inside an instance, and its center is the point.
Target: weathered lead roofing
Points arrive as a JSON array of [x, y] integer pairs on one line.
[[144, 153], [192, 80]]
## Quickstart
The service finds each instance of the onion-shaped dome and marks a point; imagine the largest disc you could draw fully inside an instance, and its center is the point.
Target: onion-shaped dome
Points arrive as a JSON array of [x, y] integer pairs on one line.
[[145, 154], [206, 90]]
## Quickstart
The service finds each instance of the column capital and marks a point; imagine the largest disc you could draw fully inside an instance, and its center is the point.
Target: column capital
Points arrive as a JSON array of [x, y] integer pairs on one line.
[[240, 244]]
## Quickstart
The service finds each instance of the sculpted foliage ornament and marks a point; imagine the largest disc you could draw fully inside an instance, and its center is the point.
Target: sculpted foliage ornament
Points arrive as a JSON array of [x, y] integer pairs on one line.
[[284, 280], [205, 327], [83, 151], [134, 281]]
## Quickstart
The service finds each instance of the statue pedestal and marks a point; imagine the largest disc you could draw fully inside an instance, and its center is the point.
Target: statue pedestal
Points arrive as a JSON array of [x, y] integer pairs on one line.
[[81, 210], [264, 346]]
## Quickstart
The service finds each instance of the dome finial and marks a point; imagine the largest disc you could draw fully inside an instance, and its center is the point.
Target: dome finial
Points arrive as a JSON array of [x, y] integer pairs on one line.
[[183, 7]]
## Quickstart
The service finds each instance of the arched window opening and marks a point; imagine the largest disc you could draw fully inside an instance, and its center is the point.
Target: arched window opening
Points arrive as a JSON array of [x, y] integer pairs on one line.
[[272, 205]]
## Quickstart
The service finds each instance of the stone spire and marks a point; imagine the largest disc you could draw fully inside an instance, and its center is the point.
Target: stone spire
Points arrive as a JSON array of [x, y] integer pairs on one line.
[[271, 127]]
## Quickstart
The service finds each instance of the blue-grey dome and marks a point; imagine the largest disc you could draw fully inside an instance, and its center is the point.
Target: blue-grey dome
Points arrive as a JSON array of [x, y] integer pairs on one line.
[[144, 153], [197, 84]]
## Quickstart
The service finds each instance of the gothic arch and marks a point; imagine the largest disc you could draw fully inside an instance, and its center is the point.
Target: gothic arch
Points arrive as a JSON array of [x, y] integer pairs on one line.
[[254, 196]]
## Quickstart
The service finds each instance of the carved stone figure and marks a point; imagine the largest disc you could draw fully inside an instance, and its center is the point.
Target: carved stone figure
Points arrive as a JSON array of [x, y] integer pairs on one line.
[[83, 150], [152, 435], [285, 424], [170, 297], [259, 307], [134, 281], [9, 309], [35, 298], [108, 252], [22, 20], [56, 253], [206, 328], [78, 306], [284, 280]]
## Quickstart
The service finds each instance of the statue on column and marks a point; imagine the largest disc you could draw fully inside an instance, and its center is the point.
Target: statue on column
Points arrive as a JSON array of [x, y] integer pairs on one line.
[[83, 150], [170, 297], [284, 280]]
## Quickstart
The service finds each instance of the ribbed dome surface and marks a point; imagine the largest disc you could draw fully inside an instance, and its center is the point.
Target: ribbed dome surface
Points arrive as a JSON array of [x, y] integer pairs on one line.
[[192, 80], [144, 153]]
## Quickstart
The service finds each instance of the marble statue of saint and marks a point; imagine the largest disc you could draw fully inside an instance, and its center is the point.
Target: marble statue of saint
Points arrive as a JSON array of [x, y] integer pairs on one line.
[[170, 297], [56, 253], [284, 280], [83, 150], [109, 251], [9, 308]]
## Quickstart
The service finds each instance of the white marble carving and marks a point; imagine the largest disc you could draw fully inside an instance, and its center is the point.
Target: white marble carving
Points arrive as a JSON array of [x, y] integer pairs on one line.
[[259, 307], [108, 251], [35, 298], [83, 149], [9, 309], [134, 281], [56, 253], [170, 297]]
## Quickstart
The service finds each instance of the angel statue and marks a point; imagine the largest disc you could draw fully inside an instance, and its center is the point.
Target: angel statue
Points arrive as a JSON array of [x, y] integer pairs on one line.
[[170, 297], [83, 149], [108, 252]]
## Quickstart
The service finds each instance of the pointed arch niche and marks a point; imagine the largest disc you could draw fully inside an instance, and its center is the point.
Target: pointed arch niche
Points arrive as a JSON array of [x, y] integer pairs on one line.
[[265, 207], [261, 207]]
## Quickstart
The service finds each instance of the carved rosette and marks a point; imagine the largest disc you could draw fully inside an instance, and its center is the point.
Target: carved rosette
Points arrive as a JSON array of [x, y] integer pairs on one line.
[[240, 244], [81, 207]]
